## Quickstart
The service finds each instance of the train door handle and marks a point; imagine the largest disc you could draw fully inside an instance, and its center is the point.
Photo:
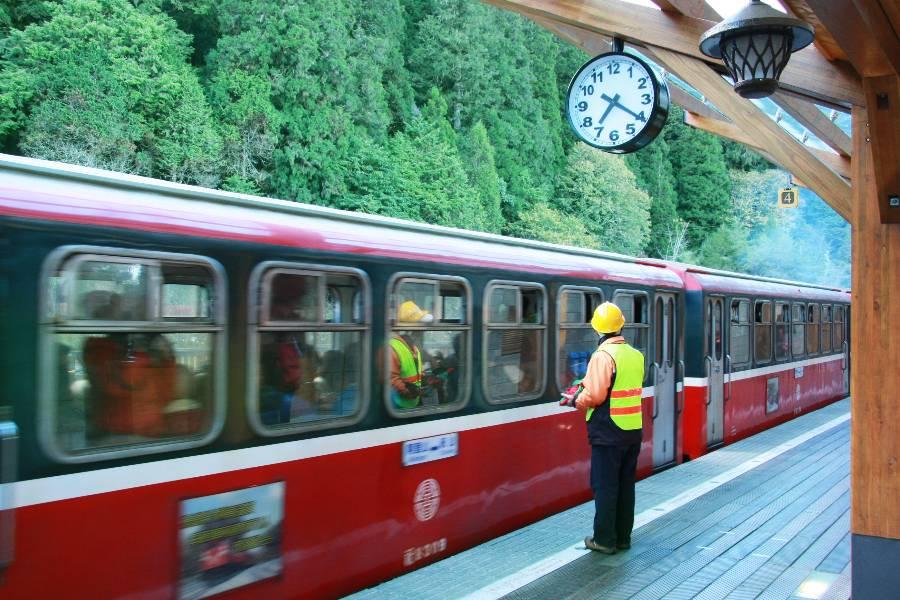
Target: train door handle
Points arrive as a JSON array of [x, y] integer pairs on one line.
[[844, 346], [708, 361], [9, 440], [654, 368], [679, 378], [728, 372]]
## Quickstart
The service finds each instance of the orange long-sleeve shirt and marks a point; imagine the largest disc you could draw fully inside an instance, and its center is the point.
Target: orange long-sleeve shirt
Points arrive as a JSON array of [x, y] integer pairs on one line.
[[598, 378]]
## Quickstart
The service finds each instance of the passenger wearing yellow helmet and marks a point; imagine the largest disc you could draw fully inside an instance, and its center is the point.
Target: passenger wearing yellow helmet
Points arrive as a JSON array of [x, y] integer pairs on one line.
[[406, 358], [610, 395]]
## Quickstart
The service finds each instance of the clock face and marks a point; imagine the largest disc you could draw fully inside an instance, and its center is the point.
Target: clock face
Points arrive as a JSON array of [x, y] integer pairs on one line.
[[616, 103]]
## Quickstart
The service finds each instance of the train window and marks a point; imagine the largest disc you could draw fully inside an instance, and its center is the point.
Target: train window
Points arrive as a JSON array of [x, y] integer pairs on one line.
[[515, 359], [812, 329], [307, 347], [826, 328], [134, 349], [838, 328], [428, 345], [762, 336], [576, 339], [782, 331], [739, 339], [636, 332], [798, 330]]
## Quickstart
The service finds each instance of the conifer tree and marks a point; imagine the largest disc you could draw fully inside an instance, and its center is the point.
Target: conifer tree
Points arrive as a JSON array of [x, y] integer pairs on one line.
[[653, 173], [598, 188], [104, 84], [701, 177]]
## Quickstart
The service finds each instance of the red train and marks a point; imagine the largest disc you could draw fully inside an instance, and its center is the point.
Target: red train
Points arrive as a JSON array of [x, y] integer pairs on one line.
[[194, 396]]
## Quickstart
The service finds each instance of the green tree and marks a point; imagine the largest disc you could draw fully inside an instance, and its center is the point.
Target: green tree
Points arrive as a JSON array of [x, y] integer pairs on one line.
[[653, 172], [742, 158], [724, 249], [431, 178], [104, 83], [701, 177], [478, 158], [464, 48], [546, 224], [601, 191]]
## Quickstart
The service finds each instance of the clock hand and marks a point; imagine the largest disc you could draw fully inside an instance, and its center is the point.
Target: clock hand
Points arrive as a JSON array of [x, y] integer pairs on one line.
[[612, 103], [615, 102]]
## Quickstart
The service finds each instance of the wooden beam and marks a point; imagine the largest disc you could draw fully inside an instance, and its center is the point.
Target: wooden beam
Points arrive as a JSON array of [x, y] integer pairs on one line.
[[813, 119], [694, 105], [786, 151], [864, 33], [875, 346], [692, 8], [807, 74], [838, 164], [824, 41], [883, 95], [594, 44]]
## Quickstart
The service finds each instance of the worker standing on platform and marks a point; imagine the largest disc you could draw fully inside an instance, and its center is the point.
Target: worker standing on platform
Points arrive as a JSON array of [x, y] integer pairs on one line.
[[610, 395]]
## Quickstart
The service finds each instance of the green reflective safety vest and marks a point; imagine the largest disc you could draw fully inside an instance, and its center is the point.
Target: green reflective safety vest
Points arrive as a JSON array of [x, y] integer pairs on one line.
[[410, 370], [625, 396]]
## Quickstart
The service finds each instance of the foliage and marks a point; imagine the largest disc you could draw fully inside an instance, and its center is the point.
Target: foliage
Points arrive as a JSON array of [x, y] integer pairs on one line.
[[441, 111], [548, 224], [701, 177], [653, 171], [106, 82], [599, 189]]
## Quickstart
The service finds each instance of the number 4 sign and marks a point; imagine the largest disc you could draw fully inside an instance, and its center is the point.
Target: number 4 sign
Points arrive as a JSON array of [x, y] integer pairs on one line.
[[788, 198]]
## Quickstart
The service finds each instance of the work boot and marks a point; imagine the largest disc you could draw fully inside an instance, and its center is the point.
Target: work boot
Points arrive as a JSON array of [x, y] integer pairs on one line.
[[623, 545], [590, 544]]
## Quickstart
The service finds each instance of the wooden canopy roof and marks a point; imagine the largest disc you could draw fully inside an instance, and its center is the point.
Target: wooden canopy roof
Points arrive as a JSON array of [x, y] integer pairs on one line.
[[855, 59]]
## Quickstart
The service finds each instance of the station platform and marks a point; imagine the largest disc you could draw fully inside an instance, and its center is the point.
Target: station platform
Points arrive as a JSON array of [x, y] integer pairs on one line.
[[766, 517]]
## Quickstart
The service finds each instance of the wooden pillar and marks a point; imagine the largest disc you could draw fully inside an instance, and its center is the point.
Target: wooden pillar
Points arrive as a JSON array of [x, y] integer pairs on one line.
[[875, 385]]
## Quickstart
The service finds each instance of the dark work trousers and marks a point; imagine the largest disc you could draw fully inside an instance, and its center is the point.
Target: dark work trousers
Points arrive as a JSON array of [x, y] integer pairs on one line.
[[612, 479]]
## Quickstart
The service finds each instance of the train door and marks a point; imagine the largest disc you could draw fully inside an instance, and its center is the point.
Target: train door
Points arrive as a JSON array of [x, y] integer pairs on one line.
[[715, 371], [8, 439], [665, 380], [845, 349]]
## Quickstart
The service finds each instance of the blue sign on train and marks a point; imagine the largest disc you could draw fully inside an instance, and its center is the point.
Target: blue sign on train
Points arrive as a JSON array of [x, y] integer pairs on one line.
[[428, 449]]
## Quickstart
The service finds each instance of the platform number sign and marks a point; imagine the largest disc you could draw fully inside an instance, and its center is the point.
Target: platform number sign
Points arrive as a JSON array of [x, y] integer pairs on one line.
[[788, 198], [617, 103]]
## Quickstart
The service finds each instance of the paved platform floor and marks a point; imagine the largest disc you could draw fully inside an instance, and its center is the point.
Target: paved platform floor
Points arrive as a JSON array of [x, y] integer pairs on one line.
[[767, 517]]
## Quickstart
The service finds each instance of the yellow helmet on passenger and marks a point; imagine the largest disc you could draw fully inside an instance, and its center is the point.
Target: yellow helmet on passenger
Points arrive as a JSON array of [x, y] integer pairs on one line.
[[608, 318], [409, 312]]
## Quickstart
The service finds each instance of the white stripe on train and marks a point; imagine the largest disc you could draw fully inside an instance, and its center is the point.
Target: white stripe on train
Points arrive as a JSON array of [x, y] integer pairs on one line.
[[762, 371], [100, 481]]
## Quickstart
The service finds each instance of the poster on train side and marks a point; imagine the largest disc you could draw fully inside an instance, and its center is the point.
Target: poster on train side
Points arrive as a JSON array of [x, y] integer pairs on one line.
[[230, 540]]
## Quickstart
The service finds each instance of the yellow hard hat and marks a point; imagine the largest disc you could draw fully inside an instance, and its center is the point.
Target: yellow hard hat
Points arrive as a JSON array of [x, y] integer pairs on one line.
[[608, 318], [409, 312]]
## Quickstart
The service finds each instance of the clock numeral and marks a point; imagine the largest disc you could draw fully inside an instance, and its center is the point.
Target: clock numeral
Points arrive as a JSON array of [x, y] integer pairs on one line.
[[630, 70], [587, 122], [582, 106], [643, 83], [629, 129], [613, 68], [587, 90], [614, 135], [597, 76], [641, 117], [599, 130], [645, 99]]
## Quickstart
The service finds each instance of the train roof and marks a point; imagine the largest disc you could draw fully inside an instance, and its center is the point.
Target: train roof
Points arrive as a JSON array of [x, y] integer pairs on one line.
[[727, 282], [31, 188]]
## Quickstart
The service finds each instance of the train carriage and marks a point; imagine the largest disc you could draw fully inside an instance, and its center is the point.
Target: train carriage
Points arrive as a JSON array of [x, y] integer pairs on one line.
[[762, 351], [158, 454]]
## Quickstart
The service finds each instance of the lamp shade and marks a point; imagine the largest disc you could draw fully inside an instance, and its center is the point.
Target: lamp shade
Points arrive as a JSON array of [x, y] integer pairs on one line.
[[755, 45]]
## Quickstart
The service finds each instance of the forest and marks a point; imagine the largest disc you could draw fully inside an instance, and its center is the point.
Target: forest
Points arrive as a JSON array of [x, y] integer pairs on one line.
[[448, 112]]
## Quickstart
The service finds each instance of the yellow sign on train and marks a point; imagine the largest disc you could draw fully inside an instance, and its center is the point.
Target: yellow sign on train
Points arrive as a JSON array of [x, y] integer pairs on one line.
[[788, 198]]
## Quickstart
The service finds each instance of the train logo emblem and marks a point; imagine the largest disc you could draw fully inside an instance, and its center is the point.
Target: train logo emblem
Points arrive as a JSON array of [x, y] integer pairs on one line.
[[427, 499]]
